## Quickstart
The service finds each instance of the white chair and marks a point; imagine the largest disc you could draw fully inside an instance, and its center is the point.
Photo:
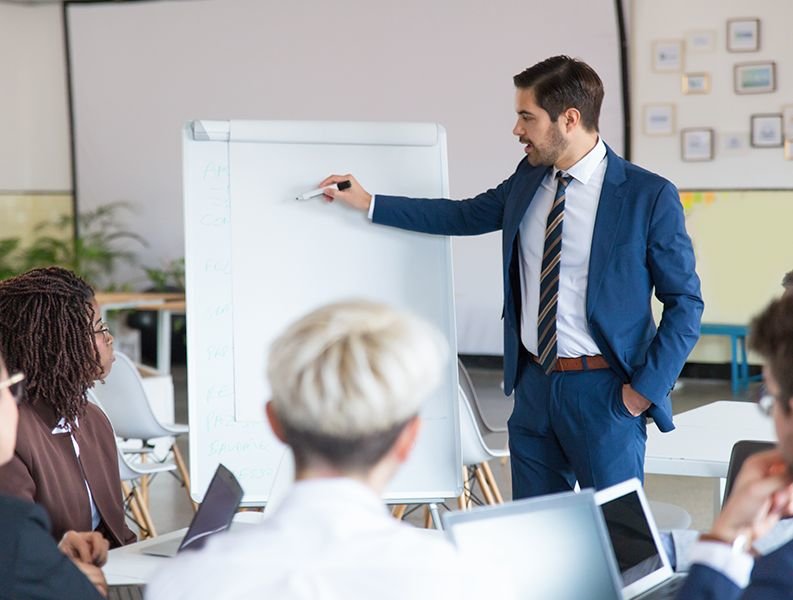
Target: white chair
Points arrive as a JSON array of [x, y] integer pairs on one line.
[[476, 454], [123, 398], [468, 388], [130, 474], [135, 506]]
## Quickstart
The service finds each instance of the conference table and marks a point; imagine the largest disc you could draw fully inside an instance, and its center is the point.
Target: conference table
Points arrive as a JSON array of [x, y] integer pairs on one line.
[[130, 564], [701, 444]]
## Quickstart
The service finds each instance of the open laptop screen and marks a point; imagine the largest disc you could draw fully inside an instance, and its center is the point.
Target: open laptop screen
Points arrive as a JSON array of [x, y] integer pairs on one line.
[[217, 510], [634, 546], [550, 547]]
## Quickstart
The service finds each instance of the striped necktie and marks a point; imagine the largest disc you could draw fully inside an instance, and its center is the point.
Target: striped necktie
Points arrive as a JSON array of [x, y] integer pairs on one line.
[[549, 278]]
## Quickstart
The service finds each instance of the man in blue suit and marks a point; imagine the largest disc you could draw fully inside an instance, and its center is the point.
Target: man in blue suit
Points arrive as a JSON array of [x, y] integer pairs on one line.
[[587, 237], [763, 490]]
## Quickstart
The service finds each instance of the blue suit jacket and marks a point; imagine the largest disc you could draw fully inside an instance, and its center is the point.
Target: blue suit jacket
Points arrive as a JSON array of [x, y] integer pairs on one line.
[[31, 566], [771, 580], [639, 244]]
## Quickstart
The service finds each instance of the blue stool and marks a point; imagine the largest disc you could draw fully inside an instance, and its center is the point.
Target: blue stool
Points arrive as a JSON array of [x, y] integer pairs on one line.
[[739, 369]]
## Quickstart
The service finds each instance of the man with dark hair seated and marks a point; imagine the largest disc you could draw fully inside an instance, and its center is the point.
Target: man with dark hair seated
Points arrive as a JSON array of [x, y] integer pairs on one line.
[[763, 491]]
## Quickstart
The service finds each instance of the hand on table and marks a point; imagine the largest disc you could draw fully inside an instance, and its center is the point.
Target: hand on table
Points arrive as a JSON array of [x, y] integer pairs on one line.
[[85, 546]]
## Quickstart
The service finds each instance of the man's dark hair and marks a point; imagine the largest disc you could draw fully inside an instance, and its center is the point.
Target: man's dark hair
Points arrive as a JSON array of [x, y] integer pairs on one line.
[[46, 331], [787, 280], [771, 335], [353, 453], [561, 82]]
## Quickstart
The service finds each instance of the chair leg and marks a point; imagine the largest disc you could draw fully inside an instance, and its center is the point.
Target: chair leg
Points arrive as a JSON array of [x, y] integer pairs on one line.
[[399, 511], [144, 510], [462, 501], [480, 478], [492, 483], [144, 483], [137, 516], [182, 467]]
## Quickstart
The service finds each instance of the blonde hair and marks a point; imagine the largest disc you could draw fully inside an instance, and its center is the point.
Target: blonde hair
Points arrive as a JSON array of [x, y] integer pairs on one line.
[[354, 368]]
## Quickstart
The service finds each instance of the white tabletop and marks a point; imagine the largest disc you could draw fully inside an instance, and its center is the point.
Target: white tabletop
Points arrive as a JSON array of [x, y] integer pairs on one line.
[[701, 444], [129, 564]]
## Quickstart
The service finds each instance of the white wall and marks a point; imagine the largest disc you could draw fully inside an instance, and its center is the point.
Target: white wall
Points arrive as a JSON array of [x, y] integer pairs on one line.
[[34, 128], [721, 109], [142, 69]]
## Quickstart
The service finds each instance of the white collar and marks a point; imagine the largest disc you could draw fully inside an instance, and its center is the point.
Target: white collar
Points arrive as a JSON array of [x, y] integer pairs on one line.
[[584, 169], [63, 426]]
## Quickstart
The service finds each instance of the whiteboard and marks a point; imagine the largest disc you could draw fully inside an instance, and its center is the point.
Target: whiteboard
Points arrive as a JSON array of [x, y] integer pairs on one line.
[[257, 259]]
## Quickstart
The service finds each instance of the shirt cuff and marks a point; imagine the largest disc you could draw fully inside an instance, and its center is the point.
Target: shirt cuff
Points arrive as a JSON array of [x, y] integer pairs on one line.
[[371, 207], [736, 566]]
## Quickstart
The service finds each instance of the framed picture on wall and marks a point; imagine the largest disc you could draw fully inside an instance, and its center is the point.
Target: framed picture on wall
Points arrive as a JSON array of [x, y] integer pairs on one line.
[[743, 35], [787, 117], [701, 41], [766, 131], [754, 78], [668, 56], [659, 119], [696, 144], [696, 83]]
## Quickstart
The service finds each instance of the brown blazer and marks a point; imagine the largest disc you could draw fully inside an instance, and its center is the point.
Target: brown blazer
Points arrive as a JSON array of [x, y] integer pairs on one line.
[[45, 470]]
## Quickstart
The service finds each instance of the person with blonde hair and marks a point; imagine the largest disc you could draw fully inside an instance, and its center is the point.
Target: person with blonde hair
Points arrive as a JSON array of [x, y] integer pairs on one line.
[[347, 385]]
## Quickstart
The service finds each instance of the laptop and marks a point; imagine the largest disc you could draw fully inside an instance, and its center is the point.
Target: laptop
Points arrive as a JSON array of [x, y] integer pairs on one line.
[[550, 546], [214, 514], [639, 552]]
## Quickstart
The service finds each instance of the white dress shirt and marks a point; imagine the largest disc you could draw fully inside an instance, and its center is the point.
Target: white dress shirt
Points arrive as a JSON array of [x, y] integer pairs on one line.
[[61, 428], [329, 539], [582, 197]]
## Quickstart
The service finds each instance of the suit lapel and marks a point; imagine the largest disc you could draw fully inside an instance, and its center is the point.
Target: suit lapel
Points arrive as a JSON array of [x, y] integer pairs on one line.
[[607, 221], [518, 201]]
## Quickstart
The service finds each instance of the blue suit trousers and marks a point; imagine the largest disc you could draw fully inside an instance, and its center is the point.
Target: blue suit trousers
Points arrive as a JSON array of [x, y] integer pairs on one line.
[[570, 426]]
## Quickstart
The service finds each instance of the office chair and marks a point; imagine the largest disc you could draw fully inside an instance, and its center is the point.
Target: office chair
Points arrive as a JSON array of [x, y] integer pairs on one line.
[[742, 450], [123, 398]]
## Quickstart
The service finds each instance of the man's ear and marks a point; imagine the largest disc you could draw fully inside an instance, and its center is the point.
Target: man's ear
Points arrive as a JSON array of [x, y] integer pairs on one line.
[[571, 118], [275, 422], [407, 439]]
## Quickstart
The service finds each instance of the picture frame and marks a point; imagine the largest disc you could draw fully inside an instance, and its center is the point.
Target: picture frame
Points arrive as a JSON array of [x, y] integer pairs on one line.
[[766, 131], [703, 40], [695, 83], [754, 77], [696, 144], [668, 56], [659, 119], [787, 118], [743, 35]]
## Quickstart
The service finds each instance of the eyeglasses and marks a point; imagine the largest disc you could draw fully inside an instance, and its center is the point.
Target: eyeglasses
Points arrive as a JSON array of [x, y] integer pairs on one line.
[[766, 404], [15, 385], [104, 330]]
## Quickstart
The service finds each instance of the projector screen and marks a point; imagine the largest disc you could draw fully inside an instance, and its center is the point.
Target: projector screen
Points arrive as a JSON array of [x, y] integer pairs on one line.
[[140, 70]]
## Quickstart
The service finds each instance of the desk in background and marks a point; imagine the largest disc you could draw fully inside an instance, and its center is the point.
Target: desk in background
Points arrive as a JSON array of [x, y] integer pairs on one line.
[[164, 304], [701, 444]]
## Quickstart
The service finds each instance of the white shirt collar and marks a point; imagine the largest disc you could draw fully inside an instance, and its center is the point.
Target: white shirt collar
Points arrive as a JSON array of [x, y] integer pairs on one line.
[[63, 426], [582, 171]]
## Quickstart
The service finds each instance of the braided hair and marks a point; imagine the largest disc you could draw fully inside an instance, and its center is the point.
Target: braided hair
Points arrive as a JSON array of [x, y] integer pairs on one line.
[[46, 331]]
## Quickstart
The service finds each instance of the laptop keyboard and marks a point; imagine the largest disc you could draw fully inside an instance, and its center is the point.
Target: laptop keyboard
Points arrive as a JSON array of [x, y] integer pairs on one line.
[[666, 590], [125, 592]]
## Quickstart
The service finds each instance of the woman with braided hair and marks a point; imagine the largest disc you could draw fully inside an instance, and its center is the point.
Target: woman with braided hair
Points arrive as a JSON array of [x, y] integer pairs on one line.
[[65, 457]]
